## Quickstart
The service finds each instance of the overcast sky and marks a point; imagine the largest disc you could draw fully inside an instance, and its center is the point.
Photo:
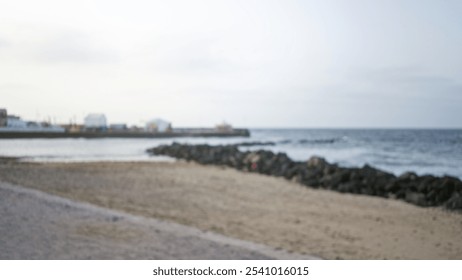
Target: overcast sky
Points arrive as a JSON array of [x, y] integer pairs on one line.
[[251, 63]]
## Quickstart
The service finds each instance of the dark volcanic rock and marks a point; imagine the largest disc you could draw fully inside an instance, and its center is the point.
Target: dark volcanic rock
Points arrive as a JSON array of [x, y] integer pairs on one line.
[[416, 198], [424, 190], [455, 202], [316, 162]]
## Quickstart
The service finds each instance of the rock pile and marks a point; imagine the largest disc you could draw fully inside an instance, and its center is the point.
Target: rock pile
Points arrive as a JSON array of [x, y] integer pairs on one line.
[[423, 191]]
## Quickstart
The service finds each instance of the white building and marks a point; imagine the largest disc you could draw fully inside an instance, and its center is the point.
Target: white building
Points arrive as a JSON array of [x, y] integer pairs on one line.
[[224, 127], [158, 125], [16, 124], [95, 122]]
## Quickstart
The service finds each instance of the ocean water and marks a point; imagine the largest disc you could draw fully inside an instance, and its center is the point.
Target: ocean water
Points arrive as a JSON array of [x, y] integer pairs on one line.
[[423, 151]]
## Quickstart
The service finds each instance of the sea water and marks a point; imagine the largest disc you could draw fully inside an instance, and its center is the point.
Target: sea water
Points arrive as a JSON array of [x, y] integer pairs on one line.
[[424, 151]]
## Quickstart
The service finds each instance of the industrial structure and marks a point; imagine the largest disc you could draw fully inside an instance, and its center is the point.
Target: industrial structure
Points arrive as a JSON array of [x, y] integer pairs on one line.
[[12, 123], [95, 122], [158, 125], [96, 126]]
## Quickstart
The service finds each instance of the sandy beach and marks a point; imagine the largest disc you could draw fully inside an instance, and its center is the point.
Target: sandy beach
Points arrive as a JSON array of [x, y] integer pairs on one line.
[[257, 208], [38, 225]]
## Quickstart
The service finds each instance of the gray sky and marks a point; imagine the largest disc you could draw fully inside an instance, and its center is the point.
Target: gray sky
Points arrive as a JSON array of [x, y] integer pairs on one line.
[[252, 63]]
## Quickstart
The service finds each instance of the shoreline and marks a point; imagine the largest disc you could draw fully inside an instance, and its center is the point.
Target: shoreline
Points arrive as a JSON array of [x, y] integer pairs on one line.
[[253, 207], [92, 135], [316, 172]]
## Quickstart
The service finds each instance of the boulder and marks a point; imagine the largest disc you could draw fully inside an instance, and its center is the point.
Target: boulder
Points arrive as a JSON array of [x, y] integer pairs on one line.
[[407, 177], [416, 198], [350, 187], [316, 162], [455, 202]]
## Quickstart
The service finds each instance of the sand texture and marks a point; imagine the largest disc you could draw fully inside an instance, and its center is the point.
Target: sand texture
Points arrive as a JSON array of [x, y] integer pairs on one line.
[[253, 207], [38, 225]]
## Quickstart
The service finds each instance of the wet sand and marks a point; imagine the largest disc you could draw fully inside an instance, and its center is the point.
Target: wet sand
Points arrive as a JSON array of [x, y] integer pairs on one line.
[[253, 207]]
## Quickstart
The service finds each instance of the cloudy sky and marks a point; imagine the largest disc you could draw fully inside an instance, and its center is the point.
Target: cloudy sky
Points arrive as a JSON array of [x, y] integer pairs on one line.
[[339, 63]]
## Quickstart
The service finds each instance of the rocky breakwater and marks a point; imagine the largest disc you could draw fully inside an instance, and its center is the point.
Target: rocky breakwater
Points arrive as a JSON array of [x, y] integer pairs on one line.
[[425, 191]]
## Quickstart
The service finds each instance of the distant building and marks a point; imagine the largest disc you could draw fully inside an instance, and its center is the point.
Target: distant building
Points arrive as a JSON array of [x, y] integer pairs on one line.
[[224, 128], [135, 128], [95, 122], [16, 124], [158, 125], [73, 127], [3, 118]]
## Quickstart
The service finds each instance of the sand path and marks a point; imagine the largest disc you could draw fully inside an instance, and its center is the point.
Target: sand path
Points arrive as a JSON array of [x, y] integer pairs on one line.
[[36, 225]]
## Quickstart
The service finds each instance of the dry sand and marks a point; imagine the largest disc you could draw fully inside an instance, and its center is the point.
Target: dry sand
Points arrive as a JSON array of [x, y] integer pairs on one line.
[[254, 207], [38, 225]]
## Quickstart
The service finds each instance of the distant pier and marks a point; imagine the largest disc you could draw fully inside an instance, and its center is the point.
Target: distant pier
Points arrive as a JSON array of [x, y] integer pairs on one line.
[[125, 134]]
